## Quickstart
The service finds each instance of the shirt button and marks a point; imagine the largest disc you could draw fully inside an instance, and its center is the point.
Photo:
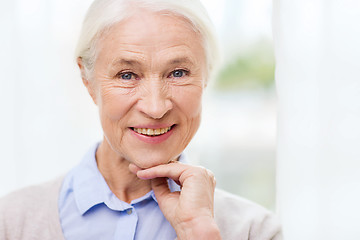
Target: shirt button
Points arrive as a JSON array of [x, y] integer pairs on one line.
[[129, 211]]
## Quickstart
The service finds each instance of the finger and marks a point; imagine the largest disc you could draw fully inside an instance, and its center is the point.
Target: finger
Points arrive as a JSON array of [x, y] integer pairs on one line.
[[171, 170], [133, 168], [164, 196], [176, 171], [160, 187]]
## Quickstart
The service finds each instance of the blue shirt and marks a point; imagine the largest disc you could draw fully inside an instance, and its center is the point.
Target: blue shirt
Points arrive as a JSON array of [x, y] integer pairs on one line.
[[89, 210]]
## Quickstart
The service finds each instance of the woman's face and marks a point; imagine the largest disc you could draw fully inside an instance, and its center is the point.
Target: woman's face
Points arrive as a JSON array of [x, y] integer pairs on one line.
[[148, 83]]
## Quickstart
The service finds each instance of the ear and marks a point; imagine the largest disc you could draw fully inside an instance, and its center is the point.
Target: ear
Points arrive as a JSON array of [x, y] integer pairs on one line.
[[206, 83], [88, 84]]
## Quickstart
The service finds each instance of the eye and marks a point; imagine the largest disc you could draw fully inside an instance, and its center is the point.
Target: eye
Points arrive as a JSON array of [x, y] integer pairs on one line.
[[126, 75], [178, 73]]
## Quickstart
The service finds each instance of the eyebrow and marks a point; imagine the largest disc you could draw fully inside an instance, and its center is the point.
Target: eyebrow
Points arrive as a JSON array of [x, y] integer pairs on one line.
[[174, 61], [127, 62], [181, 60]]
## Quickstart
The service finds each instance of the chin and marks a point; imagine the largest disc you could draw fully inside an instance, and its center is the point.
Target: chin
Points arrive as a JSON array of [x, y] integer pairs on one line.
[[152, 160]]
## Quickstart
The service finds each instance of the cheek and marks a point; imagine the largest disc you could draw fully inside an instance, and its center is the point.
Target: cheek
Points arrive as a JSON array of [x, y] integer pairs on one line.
[[113, 104], [189, 100]]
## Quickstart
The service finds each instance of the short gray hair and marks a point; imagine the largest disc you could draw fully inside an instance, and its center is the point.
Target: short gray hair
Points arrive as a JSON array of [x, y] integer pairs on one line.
[[103, 14]]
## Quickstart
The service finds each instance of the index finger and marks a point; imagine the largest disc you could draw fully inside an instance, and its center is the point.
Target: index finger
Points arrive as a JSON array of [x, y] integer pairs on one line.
[[173, 170]]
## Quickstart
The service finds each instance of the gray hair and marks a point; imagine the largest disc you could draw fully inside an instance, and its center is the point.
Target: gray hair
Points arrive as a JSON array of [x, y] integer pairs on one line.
[[103, 14]]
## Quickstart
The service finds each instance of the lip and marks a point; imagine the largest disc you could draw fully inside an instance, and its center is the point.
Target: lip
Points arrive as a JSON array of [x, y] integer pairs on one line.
[[153, 139], [154, 126]]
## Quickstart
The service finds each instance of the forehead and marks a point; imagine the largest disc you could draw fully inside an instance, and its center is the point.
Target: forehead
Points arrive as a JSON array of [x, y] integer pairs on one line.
[[150, 33]]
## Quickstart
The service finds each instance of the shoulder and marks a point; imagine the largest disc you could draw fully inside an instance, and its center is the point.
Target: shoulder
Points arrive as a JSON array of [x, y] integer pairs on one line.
[[22, 210], [28, 197], [239, 218]]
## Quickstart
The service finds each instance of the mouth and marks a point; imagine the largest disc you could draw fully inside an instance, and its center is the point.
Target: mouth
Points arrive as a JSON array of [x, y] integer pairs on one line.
[[152, 132], [153, 135]]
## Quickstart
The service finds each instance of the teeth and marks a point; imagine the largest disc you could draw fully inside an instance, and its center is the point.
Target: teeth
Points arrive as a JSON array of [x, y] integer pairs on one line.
[[152, 132]]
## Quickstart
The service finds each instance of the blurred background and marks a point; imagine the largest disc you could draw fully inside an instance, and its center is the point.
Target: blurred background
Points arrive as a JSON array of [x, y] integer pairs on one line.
[[48, 121], [238, 133]]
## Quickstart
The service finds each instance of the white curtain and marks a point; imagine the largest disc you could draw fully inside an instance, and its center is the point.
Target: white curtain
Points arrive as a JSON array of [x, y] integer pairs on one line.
[[317, 46], [47, 119]]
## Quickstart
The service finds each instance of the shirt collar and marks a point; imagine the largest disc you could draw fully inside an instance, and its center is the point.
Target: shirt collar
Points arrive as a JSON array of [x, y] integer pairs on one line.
[[90, 187]]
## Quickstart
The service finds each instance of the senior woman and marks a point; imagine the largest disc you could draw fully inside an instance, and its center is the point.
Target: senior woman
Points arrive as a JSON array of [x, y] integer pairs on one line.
[[145, 64]]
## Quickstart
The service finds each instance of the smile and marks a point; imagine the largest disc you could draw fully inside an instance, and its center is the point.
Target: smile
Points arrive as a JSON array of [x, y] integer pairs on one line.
[[152, 132]]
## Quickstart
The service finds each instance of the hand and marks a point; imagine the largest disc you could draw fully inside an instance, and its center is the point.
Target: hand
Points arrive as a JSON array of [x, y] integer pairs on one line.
[[191, 211]]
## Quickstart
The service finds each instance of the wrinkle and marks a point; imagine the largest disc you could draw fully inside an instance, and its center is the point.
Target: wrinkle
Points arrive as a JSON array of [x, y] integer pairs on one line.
[[154, 96]]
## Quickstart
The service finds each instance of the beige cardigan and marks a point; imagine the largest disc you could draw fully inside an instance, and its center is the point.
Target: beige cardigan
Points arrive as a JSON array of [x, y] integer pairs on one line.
[[32, 214]]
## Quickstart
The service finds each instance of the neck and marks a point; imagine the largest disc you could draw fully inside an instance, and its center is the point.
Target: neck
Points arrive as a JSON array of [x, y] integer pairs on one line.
[[115, 170]]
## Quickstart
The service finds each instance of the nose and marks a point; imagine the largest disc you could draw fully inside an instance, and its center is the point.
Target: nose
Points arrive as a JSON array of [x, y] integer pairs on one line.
[[155, 99]]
